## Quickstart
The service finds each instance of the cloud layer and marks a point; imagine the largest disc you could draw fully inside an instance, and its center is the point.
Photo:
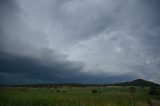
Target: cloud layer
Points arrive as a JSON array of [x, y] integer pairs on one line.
[[79, 40]]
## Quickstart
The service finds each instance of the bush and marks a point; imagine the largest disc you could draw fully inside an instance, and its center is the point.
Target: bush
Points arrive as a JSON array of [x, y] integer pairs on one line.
[[57, 90], [63, 91], [132, 89], [94, 91], [99, 92], [55, 87], [154, 91]]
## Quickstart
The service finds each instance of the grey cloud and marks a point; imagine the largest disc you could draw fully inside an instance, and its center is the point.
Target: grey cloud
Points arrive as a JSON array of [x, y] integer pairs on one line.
[[17, 34], [76, 40], [73, 20], [26, 70], [47, 69]]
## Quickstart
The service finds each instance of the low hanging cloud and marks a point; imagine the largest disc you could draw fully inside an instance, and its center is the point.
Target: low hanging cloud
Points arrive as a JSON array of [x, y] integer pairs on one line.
[[79, 40], [50, 67]]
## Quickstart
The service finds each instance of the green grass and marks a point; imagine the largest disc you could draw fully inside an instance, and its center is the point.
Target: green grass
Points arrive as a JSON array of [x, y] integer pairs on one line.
[[77, 96]]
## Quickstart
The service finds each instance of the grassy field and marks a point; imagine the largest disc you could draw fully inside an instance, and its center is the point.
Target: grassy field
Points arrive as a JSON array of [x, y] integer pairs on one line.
[[78, 96]]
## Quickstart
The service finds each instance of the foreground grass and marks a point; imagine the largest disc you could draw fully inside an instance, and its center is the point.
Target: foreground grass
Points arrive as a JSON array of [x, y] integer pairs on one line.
[[77, 96]]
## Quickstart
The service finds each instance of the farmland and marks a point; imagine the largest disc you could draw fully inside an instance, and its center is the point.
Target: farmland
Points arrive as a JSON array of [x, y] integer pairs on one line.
[[78, 96]]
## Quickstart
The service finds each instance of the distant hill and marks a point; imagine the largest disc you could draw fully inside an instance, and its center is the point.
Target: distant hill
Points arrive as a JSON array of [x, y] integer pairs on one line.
[[137, 82]]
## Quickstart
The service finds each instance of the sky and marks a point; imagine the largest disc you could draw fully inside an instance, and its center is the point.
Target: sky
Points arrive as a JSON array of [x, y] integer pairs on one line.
[[79, 41]]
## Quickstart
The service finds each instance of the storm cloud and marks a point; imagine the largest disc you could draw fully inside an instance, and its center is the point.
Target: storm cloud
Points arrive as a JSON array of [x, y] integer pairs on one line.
[[79, 40]]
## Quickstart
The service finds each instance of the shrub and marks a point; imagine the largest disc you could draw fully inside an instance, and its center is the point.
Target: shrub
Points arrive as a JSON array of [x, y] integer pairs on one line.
[[64, 91], [57, 90], [99, 92], [132, 89], [154, 91], [94, 91]]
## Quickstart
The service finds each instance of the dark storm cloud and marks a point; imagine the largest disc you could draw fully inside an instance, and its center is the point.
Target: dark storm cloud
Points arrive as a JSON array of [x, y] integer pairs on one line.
[[48, 69], [82, 20], [149, 31], [27, 68], [17, 35], [79, 40], [23, 70], [7, 10], [9, 5]]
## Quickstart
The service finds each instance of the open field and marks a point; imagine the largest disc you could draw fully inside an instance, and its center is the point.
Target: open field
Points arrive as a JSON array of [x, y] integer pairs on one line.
[[78, 96]]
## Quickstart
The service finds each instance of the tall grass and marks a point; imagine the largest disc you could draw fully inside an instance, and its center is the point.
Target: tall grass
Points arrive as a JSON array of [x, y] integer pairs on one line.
[[114, 96]]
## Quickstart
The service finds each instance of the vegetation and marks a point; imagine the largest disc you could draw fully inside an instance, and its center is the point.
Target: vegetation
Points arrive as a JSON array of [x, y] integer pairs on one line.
[[138, 82], [132, 89], [154, 91], [77, 95], [94, 91]]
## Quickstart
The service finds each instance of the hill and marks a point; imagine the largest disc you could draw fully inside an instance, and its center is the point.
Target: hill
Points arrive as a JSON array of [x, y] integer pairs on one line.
[[137, 82]]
